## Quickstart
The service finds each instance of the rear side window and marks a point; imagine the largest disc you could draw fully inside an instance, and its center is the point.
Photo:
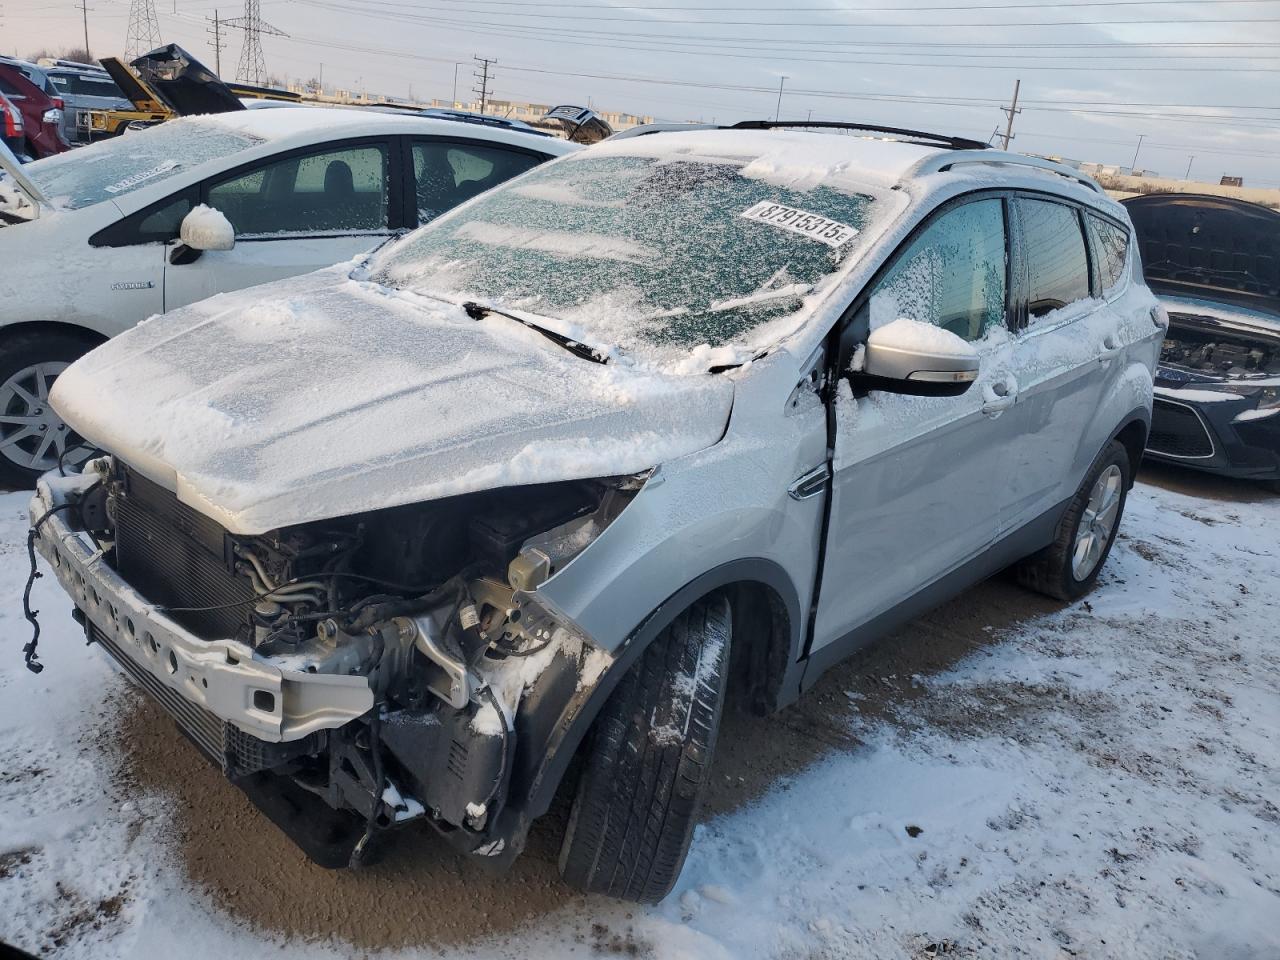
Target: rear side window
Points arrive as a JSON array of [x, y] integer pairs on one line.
[[1110, 250], [449, 173], [952, 275], [1054, 251]]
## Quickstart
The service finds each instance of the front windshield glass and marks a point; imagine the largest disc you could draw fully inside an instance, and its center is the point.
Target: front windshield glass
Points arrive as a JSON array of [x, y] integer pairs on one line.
[[650, 255], [115, 167]]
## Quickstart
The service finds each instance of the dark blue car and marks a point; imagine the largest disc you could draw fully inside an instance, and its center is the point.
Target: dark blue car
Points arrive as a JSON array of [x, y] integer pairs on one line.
[[1215, 264]]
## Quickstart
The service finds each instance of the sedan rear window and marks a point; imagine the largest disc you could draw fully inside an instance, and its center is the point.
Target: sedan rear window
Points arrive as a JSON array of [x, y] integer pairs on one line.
[[116, 167], [654, 255]]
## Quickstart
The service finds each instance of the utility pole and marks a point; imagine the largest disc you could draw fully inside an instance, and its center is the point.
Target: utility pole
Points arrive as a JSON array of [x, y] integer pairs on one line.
[[454, 102], [84, 12], [1012, 110], [217, 43], [777, 111], [1134, 166], [1190, 160], [483, 78]]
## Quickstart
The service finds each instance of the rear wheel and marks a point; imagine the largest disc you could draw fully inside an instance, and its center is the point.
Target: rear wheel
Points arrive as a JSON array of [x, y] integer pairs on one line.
[[1068, 567], [648, 762], [32, 436]]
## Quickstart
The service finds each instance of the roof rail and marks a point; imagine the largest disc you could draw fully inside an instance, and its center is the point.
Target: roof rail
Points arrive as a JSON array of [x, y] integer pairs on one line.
[[916, 136], [943, 162]]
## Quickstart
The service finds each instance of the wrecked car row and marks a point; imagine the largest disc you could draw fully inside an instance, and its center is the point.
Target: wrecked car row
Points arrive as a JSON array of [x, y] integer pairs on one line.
[[514, 505]]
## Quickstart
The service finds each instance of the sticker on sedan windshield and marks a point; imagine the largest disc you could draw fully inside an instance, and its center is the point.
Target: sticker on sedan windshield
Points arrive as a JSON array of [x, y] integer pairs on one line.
[[814, 226], [130, 182]]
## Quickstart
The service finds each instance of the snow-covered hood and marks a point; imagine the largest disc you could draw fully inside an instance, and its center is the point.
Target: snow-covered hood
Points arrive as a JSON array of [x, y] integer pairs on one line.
[[321, 396]]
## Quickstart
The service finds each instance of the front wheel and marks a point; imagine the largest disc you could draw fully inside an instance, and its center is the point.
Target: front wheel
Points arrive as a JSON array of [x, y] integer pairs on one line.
[[1068, 567], [648, 762], [32, 436]]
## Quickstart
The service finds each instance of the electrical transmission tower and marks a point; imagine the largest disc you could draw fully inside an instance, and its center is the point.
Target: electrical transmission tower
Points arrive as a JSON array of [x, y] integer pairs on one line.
[[144, 29], [253, 68], [484, 78]]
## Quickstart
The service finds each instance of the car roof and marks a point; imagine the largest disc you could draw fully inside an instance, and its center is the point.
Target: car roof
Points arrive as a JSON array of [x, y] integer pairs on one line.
[[305, 123], [855, 156]]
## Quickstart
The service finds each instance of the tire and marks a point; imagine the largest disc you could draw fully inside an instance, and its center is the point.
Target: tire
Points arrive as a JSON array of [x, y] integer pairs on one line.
[[648, 761], [1054, 571], [29, 363]]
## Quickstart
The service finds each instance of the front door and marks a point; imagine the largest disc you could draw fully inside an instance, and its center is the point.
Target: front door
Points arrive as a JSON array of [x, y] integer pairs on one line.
[[917, 487], [291, 216]]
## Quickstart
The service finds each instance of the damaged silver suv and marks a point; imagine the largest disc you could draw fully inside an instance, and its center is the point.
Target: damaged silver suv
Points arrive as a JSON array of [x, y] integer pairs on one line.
[[512, 507]]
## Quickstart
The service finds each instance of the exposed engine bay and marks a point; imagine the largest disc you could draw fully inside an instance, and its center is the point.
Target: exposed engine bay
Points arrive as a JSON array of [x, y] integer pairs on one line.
[[1195, 346], [431, 602]]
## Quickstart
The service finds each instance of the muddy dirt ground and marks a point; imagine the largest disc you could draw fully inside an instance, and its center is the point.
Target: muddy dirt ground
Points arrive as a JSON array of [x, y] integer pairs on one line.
[[423, 894]]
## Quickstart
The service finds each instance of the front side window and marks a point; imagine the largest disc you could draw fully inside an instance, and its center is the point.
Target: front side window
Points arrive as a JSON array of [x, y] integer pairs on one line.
[[1110, 249], [449, 173], [953, 274], [337, 191], [158, 223], [1053, 247], [650, 254]]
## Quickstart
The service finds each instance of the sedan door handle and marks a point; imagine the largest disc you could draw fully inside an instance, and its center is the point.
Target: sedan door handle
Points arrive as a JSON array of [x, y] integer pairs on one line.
[[999, 397]]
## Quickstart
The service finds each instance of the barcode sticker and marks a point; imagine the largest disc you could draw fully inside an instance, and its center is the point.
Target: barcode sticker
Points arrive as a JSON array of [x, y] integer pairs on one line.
[[812, 225], [468, 617]]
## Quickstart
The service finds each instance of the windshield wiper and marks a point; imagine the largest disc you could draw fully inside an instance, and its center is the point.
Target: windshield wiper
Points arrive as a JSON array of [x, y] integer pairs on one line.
[[478, 311]]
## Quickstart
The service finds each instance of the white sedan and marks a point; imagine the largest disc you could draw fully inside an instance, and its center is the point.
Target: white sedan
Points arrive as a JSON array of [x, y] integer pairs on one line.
[[96, 240]]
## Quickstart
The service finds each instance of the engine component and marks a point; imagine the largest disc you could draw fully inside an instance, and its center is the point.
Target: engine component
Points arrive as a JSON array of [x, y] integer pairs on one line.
[[451, 682]]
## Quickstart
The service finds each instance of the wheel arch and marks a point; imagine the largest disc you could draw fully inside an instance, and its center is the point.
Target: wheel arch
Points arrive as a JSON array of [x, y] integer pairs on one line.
[[47, 327], [763, 667], [1132, 434]]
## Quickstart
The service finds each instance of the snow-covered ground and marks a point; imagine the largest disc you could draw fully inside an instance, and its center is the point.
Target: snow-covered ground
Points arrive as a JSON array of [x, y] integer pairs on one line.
[[1100, 781]]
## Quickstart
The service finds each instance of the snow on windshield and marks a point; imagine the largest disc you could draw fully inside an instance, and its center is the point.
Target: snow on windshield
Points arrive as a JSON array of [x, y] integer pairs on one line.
[[654, 255], [112, 168]]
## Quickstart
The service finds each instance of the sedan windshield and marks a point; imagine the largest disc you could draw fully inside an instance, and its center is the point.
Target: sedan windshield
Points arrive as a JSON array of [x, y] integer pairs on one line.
[[113, 168], [651, 255]]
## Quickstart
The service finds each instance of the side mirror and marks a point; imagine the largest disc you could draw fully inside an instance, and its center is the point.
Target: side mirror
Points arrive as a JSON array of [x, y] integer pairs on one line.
[[915, 358], [205, 228]]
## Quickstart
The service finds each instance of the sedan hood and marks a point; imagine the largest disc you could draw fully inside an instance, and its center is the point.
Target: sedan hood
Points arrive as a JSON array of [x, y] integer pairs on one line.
[[322, 396]]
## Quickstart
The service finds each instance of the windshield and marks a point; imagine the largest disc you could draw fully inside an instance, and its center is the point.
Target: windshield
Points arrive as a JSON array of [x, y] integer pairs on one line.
[[116, 167], [78, 84], [652, 255]]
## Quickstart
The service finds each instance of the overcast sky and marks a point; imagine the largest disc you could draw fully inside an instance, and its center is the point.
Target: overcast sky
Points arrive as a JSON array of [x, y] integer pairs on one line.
[[1136, 68]]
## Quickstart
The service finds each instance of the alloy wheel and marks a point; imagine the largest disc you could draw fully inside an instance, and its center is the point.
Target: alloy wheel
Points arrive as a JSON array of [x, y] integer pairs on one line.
[[32, 435], [1097, 522]]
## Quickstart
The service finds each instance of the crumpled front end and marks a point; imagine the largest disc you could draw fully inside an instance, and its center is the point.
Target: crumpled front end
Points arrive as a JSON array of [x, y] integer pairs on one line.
[[350, 674]]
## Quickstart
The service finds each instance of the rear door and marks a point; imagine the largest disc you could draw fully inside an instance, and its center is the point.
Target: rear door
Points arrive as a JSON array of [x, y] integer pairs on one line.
[[294, 214], [1064, 353], [918, 484]]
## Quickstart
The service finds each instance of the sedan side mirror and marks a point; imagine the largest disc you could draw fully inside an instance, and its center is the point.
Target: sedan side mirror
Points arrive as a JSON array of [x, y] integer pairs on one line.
[[920, 359], [205, 228]]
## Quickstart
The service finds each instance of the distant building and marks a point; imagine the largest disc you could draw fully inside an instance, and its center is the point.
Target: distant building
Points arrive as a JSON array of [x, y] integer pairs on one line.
[[1231, 181]]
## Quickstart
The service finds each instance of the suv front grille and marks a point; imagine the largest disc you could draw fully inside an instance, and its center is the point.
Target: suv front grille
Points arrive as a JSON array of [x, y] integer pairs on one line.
[[1178, 431], [176, 557]]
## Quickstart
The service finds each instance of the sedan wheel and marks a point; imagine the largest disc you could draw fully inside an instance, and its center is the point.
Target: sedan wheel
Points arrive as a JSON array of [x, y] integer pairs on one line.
[[33, 438]]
